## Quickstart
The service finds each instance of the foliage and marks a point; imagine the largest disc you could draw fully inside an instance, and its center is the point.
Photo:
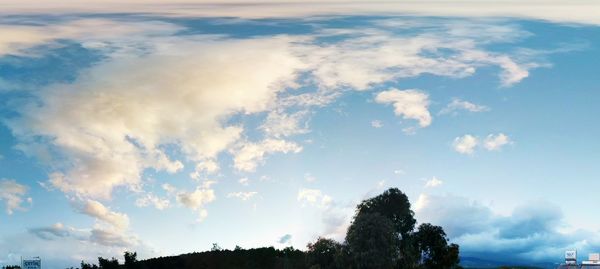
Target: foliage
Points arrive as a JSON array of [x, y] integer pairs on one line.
[[372, 242], [108, 263], [130, 260], [394, 205], [88, 266], [434, 251], [323, 254]]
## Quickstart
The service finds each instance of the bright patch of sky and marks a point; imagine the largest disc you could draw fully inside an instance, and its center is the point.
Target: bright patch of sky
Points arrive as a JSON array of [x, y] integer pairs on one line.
[[163, 134]]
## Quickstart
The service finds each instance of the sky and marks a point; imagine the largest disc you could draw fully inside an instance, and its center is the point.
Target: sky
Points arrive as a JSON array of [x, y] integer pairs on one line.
[[164, 127]]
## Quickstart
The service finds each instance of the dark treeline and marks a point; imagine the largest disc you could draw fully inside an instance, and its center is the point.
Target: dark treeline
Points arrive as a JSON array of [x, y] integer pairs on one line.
[[382, 235]]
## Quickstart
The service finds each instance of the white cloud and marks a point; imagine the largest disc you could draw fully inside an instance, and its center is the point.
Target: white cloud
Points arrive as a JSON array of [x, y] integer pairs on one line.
[[336, 218], [308, 177], [433, 182], [11, 193], [314, 197], [62, 246], [410, 104], [95, 209], [376, 124], [110, 135], [250, 155], [103, 136], [562, 11], [458, 104], [107, 237], [533, 231], [197, 199], [280, 124], [150, 199], [468, 143], [421, 202], [244, 196], [17, 39], [496, 142], [207, 166], [465, 144], [244, 181]]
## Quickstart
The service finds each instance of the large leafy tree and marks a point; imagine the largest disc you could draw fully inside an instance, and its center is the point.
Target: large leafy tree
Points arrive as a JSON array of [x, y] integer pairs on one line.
[[372, 242], [394, 205], [425, 248]]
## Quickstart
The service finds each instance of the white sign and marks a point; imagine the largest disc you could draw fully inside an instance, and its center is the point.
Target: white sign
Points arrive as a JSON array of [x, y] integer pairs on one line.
[[571, 255], [32, 264], [594, 257]]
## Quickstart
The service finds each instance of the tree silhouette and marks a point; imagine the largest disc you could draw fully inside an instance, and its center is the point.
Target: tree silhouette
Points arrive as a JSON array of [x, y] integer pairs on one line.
[[372, 242], [88, 266], [394, 205], [108, 264], [322, 254], [130, 259]]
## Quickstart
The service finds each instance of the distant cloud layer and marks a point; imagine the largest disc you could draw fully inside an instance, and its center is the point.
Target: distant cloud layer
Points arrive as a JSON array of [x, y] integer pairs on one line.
[[565, 11], [535, 231]]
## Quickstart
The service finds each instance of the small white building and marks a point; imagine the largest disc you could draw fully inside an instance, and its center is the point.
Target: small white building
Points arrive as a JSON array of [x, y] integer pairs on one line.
[[32, 263]]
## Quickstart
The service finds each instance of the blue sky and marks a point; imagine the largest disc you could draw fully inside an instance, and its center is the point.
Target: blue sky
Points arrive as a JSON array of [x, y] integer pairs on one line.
[[167, 130]]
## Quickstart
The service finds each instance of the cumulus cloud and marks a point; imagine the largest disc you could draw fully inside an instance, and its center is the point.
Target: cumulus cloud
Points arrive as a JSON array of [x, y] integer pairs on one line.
[[11, 193], [533, 231], [458, 215], [109, 135], [197, 199], [465, 144], [97, 210], [496, 142], [459, 104], [102, 136], [314, 197], [206, 167], [244, 196], [468, 143], [250, 155], [433, 182], [410, 104]]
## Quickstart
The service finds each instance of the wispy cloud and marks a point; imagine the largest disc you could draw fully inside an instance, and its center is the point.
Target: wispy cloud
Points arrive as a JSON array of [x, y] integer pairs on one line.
[[459, 104], [12, 194]]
